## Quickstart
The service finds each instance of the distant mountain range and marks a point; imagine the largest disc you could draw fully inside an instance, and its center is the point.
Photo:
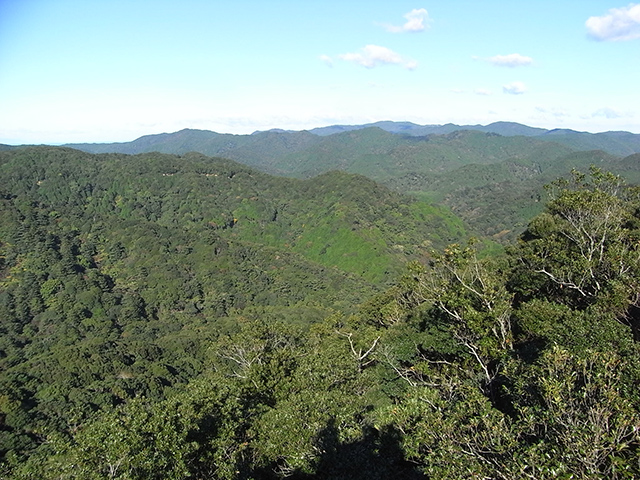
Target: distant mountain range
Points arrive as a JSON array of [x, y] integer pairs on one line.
[[617, 143], [408, 128], [280, 142], [491, 176]]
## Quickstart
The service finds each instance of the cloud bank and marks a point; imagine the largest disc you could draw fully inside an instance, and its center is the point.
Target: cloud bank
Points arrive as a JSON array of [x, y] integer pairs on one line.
[[417, 21], [374, 55], [607, 112], [514, 88], [512, 60], [617, 25]]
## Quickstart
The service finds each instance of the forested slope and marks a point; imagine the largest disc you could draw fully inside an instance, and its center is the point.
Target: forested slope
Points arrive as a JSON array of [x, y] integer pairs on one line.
[[498, 200], [117, 272], [372, 151], [261, 150], [491, 176], [144, 337]]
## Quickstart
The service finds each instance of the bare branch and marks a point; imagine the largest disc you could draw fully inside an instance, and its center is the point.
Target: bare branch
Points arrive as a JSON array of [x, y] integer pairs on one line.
[[358, 355]]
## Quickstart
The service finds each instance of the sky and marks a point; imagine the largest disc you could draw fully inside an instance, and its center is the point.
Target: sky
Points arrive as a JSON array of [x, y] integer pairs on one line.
[[114, 70]]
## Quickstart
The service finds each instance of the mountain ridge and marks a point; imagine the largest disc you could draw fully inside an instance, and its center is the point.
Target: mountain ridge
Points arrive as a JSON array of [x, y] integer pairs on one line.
[[217, 144], [458, 167]]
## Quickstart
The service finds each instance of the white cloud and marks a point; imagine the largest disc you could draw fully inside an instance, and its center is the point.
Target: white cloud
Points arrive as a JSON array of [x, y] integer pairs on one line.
[[482, 91], [554, 112], [618, 24], [411, 65], [417, 21], [327, 60], [607, 113], [374, 55], [514, 88], [511, 60]]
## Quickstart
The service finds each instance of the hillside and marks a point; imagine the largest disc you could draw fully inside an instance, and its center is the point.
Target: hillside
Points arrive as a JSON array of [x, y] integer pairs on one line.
[[260, 150], [169, 316], [615, 143], [117, 271], [263, 149], [492, 176], [382, 156], [235, 201], [372, 151], [415, 130], [498, 200]]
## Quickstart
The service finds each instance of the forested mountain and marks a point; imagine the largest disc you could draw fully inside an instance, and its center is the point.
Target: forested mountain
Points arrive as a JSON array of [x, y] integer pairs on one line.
[[238, 201], [116, 271], [491, 176], [382, 155], [616, 143], [259, 150], [498, 200], [409, 128], [211, 143], [168, 316]]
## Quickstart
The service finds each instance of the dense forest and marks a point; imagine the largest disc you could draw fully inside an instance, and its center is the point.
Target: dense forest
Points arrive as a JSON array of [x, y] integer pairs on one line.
[[184, 316], [490, 176]]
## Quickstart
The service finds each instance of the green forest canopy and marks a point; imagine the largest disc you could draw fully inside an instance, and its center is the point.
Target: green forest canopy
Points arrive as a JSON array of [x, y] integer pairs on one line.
[[491, 177], [170, 317]]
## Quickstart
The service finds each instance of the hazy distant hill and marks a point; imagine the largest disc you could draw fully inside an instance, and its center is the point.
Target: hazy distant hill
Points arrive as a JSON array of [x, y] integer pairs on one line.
[[383, 156], [262, 149], [491, 176], [408, 128], [617, 143], [373, 151], [258, 149]]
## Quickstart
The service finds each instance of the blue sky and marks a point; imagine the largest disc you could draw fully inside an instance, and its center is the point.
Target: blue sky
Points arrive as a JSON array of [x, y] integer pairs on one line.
[[113, 70]]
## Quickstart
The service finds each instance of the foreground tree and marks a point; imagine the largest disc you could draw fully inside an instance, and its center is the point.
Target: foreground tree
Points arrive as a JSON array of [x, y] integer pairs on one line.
[[584, 250]]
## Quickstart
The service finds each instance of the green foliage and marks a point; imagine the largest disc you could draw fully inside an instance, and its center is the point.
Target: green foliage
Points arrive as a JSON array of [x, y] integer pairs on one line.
[[452, 432], [176, 317], [583, 250], [468, 297], [583, 422], [491, 176], [195, 432]]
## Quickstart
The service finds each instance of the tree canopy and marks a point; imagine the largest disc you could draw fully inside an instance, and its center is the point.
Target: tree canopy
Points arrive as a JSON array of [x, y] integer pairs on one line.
[[171, 317]]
